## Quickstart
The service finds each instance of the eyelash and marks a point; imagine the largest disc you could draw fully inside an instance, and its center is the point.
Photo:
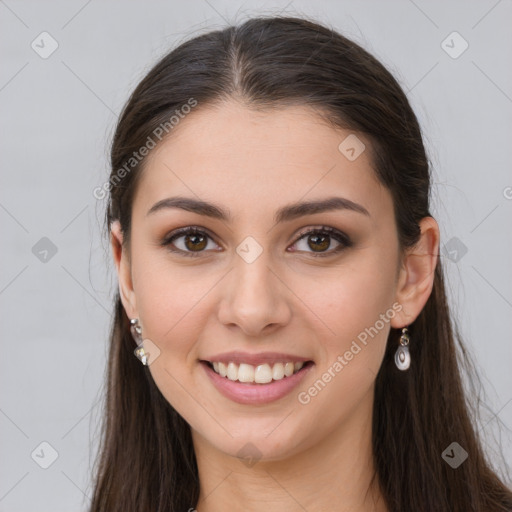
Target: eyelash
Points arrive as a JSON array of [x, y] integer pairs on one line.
[[340, 237]]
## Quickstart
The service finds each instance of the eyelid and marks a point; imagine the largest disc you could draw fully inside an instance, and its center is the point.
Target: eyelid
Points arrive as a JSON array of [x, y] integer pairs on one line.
[[342, 238]]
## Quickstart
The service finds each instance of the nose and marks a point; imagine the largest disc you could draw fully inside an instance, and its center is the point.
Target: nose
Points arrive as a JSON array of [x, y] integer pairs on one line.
[[255, 298]]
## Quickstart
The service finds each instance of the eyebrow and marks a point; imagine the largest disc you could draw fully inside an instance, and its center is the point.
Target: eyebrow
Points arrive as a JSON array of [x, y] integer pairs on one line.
[[284, 214]]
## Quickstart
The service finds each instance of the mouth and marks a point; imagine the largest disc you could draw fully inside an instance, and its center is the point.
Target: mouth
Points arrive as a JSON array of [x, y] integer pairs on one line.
[[257, 374], [259, 384]]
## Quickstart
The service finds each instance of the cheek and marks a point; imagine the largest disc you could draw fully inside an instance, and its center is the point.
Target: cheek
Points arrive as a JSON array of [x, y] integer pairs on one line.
[[352, 308], [351, 297], [171, 302], [172, 306], [351, 357]]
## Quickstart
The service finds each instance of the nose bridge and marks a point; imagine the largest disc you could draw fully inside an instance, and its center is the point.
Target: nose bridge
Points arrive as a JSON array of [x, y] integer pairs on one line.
[[253, 279], [255, 296], [252, 274]]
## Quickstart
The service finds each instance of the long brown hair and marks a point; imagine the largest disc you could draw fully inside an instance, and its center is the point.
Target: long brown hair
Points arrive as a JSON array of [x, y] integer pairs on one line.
[[146, 460]]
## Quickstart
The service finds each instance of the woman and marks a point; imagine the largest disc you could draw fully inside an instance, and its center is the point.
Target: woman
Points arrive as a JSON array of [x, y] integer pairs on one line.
[[281, 287]]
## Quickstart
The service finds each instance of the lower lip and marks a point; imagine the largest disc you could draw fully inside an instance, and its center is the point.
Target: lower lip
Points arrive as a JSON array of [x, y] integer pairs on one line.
[[254, 394]]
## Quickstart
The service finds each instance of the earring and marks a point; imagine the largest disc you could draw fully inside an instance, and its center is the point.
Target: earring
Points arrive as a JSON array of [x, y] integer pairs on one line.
[[136, 330], [402, 355]]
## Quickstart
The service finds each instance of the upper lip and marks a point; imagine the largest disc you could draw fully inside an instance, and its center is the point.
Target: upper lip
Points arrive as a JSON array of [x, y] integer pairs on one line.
[[238, 357]]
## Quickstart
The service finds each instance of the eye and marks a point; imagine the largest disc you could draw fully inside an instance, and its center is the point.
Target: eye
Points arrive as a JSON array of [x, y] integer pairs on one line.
[[319, 239], [195, 241]]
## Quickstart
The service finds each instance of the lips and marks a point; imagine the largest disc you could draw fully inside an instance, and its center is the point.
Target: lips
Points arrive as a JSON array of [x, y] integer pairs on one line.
[[254, 379]]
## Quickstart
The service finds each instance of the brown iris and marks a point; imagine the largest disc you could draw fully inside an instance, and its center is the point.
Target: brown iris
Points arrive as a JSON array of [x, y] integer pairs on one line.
[[197, 241], [324, 243]]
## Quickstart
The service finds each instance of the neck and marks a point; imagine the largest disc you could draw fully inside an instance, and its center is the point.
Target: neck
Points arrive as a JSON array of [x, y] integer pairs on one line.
[[333, 474]]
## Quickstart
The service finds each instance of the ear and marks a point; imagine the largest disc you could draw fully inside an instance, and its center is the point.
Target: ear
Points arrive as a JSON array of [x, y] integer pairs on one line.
[[122, 263], [416, 275]]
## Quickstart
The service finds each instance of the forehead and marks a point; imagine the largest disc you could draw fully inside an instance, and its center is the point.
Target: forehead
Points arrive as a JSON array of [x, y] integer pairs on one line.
[[245, 158]]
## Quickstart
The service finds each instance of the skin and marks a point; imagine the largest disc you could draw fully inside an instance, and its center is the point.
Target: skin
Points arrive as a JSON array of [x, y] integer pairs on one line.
[[316, 455]]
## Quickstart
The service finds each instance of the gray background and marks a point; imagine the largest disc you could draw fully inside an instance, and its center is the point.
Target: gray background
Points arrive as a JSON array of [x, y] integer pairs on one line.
[[58, 115]]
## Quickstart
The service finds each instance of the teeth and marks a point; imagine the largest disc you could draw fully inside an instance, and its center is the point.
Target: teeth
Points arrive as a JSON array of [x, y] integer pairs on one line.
[[261, 374], [246, 373], [223, 370], [232, 371], [288, 369], [278, 371]]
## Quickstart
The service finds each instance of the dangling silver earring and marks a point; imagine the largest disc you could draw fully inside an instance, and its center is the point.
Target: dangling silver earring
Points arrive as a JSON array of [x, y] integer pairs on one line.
[[136, 330], [402, 355]]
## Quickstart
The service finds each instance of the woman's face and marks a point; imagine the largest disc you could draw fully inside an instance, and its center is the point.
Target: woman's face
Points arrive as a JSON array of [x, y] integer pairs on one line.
[[256, 285]]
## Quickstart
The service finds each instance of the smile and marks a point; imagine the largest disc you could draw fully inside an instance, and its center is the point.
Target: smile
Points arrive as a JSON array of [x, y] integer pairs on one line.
[[261, 374], [260, 384]]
